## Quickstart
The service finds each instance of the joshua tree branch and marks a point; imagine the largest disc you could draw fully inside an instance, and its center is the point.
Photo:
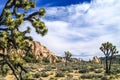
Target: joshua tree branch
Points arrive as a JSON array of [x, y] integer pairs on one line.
[[8, 5], [31, 15]]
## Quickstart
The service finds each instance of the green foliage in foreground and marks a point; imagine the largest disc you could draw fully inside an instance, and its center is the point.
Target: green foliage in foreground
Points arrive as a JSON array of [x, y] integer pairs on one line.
[[12, 40]]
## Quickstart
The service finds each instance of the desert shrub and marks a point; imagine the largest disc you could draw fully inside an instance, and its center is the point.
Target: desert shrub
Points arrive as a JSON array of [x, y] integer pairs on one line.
[[30, 58], [97, 66], [98, 76], [30, 67], [60, 65], [87, 76], [37, 75], [104, 78], [115, 71], [84, 66], [83, 71], [53, 67], [115, 77], [91, 76], [28, 76], [48, 68], [67, 68], [98, 71], [59, 74], [75, 67], [91, 69], [69, 75], [44, 74], [46, 60], [112, 77], [5, 70]]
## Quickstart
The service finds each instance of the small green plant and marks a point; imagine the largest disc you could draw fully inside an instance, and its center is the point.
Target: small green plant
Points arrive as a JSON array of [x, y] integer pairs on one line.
[[98, 76], [44, 74], [53, 67], [4, 71], [91, 76], [87, 76], [28, 76], [48, 68], [76, 67], [67, 68], [70, 75], [83, 71], [46, 60], [115, 71], [91, 69], [59, 74], [30, 58], [37, 75], [104, 78]]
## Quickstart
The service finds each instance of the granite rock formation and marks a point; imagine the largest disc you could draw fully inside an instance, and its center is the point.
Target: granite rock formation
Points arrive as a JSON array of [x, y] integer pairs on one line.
[[36, 48], [96, 59]]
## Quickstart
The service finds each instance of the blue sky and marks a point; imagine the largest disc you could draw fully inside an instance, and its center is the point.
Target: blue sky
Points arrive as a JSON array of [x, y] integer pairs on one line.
[[79, 26], [54, 3]]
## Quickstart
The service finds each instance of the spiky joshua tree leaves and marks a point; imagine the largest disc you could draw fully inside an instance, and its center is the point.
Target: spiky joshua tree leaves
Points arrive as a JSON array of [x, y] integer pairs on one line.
[[109, 51], [15, 13], [67, 56]]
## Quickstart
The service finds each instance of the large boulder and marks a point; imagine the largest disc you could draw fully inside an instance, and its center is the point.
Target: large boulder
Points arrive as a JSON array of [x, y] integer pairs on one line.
[[40, 51], [96, 59]]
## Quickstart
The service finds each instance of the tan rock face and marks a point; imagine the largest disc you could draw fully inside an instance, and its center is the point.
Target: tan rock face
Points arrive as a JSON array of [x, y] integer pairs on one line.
[[96, 59], [41, 51]]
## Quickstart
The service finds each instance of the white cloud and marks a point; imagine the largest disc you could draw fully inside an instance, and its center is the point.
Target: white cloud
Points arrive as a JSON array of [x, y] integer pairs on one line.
[[82, 28]]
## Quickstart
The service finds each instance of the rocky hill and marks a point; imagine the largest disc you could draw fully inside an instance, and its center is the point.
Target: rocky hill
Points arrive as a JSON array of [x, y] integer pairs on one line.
[[40, 51]]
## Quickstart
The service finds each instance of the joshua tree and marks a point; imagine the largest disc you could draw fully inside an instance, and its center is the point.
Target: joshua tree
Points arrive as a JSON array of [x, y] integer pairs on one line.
[[109, 50], [15, 13], [67, 56]]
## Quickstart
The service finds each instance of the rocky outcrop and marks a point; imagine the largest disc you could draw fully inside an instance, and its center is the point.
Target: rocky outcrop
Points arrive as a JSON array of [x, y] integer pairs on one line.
[[96, 59], [37, 49], [41, 51]]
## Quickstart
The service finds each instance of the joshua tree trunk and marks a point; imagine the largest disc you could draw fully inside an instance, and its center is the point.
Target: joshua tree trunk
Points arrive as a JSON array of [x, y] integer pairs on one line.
[[66, 62], [110, 63], [13, 70], [107, 70]]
